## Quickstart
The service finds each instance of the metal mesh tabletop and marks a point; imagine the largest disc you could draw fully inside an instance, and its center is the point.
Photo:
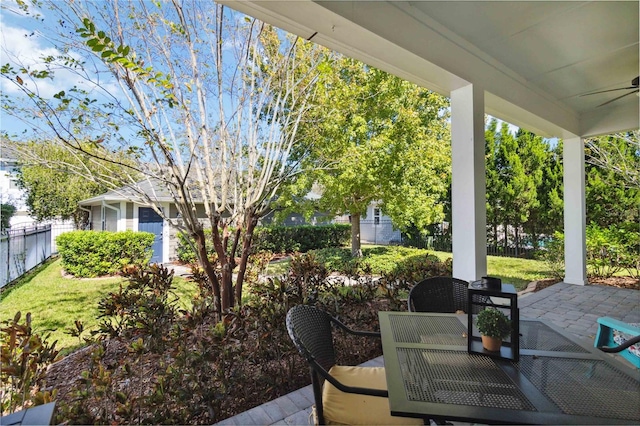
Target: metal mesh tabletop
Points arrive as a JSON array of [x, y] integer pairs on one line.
[[584, 387], [419, 329], [557, 380], [539, 336], [458, 378]]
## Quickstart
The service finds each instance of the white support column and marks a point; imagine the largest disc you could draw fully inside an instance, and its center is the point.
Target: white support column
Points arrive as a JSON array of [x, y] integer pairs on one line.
[[468, 186], [575, 213]]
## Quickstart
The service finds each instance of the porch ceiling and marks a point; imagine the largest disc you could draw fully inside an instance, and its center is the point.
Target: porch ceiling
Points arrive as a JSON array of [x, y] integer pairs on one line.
[[533, 58]]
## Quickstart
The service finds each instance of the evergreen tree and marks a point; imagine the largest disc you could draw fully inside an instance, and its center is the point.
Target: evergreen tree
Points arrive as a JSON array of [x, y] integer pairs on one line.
[[493, 184], [518, 189], [533, 152]]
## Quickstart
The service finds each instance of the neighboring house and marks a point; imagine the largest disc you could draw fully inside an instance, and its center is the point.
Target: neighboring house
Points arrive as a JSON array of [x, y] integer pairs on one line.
[[11, 193], [375, 227], [115, 211]]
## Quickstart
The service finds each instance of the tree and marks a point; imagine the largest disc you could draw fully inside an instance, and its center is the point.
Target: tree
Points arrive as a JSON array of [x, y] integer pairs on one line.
[[619, 153], [518, 188], [54, 179], [534, 154], [376, 138], [612, 184], [206, 100], [6, 212], [493, 184]]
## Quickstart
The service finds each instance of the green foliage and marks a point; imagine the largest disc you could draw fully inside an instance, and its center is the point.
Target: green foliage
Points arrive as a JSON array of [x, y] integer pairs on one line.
[[610, 251], [553, 256], [609, 201], [618, 153], [288, 239], [524, 186], [492, 322], [25, 358], [378, 259], [206, 365], [376, 138], [6, 212], [278, 239], [145, 306], [96, 253], [57, 180]]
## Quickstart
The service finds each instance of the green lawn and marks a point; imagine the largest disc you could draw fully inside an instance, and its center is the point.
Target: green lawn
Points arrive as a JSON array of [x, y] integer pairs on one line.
[[55, 302]]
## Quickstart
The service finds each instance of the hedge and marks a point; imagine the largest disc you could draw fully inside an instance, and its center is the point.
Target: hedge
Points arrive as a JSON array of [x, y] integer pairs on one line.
[[281, 239], [95, 253]]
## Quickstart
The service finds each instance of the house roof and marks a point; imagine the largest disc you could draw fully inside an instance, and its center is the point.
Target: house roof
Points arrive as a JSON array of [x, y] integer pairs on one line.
[[534, 59], [152, 187]]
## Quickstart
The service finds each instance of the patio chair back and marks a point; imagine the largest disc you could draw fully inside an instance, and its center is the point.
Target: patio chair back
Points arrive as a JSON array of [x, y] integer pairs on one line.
[[310, 331], [439, 294]]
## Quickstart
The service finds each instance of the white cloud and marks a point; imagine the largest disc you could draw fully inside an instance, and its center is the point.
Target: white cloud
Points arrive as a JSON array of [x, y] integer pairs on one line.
[[23, 48]]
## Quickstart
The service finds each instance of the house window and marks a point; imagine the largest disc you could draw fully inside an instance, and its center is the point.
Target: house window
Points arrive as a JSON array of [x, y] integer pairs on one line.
[[376, 216]]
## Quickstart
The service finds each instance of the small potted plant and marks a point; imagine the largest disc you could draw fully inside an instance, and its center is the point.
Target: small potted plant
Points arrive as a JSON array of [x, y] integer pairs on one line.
[[494, 326]]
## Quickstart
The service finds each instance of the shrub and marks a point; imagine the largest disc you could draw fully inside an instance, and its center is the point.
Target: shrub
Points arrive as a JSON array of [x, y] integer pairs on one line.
[[278, 239], [553, 256], [94, 253], [289, 239], [609, 251], [25, 358], [207, 370]]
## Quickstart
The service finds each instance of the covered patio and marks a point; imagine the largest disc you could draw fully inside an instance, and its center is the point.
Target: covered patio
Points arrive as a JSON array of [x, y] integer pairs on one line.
[[528, 63], [573, 308]]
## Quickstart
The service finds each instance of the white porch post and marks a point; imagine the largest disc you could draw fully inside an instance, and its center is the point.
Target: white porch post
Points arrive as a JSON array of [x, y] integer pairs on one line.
[[468, 183], [575, 213]]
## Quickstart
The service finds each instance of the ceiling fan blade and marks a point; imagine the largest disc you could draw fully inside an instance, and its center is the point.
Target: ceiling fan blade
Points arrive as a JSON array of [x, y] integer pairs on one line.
[[619, 97], [610, 90]]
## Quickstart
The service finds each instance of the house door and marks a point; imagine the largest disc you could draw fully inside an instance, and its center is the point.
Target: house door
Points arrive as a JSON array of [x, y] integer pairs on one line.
[[150, 221]]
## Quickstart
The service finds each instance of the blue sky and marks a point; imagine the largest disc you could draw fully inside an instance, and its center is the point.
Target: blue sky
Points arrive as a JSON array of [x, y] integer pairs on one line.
[[22, 41]]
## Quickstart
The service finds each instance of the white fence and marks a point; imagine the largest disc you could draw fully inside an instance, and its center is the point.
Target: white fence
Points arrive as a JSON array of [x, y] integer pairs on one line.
[[23, 249]]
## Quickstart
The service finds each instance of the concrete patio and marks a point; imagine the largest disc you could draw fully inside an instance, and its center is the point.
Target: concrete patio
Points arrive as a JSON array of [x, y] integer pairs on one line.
[[572, 307]]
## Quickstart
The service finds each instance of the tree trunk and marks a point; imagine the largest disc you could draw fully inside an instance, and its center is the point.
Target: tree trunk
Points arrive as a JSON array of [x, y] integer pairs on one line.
[[208, 269], [355, 236], [506, 238], [226, 285], [250, 223]]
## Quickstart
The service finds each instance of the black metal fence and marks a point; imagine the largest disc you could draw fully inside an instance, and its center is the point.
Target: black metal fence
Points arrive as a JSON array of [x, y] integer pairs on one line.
[[443, 243], [25, 248]]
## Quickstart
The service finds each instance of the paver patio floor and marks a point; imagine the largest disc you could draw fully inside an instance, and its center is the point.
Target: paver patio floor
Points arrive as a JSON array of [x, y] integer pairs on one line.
[[572, 307]]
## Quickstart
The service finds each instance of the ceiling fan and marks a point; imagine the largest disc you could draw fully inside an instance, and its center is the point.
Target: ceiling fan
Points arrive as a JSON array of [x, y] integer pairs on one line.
[[633, 88]]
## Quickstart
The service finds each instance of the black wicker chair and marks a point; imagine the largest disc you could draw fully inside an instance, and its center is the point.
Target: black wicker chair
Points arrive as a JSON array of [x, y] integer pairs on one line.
[[439, 294], [311, 332]]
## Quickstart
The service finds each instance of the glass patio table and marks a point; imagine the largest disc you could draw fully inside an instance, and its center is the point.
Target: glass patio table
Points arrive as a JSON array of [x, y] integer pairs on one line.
[[558, 379]]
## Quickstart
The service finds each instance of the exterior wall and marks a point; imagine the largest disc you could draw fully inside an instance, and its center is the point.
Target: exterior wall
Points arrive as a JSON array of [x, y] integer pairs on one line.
[[96, 218], [375, 228], [10, 193], [128, 218], [110, 220]]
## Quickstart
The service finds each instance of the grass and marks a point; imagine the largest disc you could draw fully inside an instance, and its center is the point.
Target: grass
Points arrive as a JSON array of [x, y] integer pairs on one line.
[[55, 302], [516, 271]]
